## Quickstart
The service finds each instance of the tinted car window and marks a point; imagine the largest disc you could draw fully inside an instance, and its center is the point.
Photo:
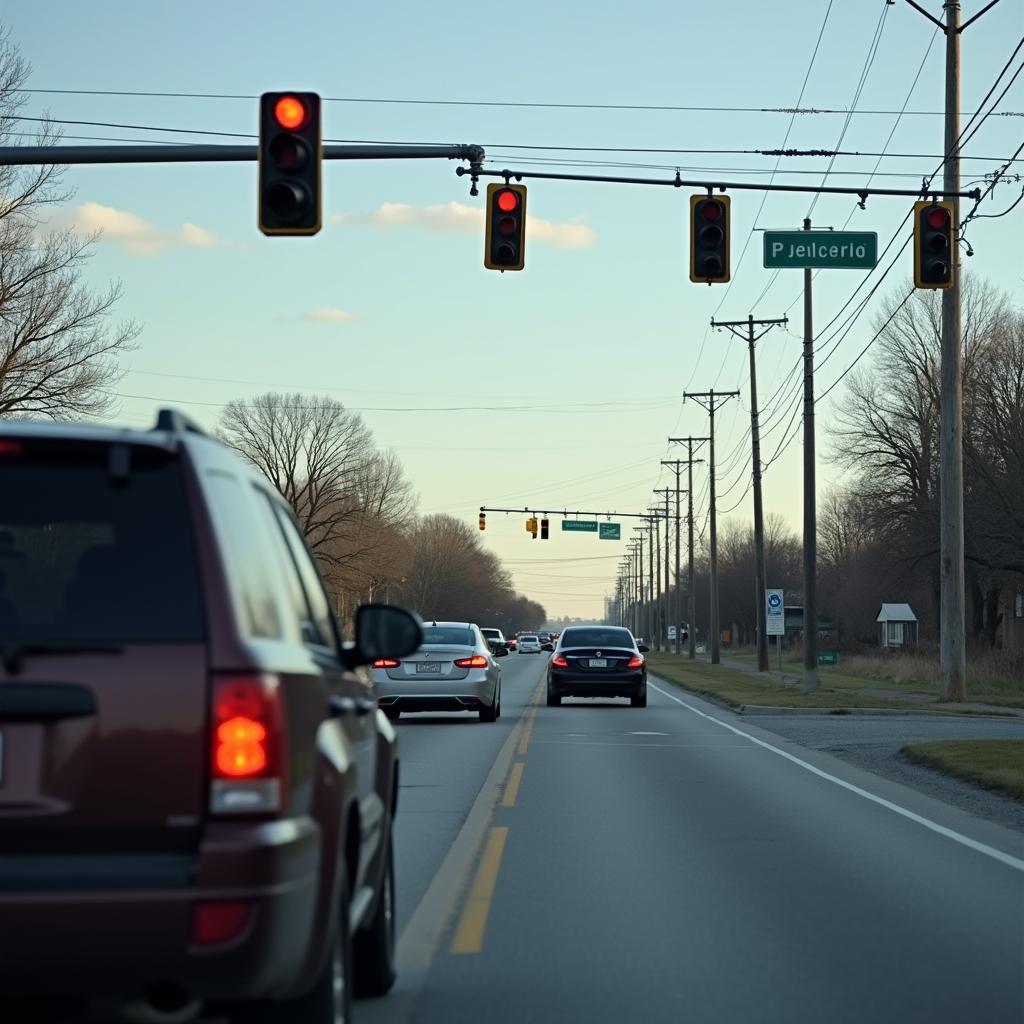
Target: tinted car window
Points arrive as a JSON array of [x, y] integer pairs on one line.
[[449, 635], [87, 555], [596, 637], [249, 560], [319, 608]]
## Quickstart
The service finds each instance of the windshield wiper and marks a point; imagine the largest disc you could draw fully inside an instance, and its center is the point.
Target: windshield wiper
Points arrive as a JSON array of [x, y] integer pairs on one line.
[[13, 654]]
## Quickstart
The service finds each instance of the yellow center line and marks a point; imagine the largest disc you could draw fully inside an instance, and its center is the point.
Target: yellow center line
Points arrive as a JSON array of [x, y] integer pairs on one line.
[[512, 786], [469, 936], [524, 739]]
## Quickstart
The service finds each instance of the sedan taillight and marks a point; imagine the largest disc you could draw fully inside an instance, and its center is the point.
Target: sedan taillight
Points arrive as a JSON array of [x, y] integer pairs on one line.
[[636, 661], [559, 661], [477, 661], [386, 663], [248, 755]]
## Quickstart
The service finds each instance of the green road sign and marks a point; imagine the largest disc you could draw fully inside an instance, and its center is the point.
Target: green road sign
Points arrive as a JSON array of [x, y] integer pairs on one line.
[[609, 531], [579, 525], [828, 658], [832, 250]]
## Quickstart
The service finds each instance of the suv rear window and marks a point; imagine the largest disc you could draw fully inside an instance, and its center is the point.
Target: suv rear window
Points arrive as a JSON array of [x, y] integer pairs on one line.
[[597, 637], [460, 635], [87, 554]]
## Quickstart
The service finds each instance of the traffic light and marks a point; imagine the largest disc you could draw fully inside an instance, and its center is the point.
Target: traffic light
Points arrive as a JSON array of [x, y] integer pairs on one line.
[[709, 238], [934, 241], [531, 526], [505, 235], [290, 154], [483, 521], [544, 529]]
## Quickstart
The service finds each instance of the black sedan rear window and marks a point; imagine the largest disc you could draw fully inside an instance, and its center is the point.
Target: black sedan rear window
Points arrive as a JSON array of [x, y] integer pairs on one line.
[[460, 635], [606, 636], [95, 547]]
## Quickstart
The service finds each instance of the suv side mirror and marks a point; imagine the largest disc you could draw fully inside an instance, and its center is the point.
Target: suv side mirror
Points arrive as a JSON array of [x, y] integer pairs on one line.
[[643, 648], [383, 631]]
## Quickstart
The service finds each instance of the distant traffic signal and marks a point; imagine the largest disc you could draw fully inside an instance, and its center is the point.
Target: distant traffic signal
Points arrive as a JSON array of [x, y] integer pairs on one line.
[[531, 526], [290, 154], [544, 529], [483, 521], [505, 234], [934, 242], [709, 238]]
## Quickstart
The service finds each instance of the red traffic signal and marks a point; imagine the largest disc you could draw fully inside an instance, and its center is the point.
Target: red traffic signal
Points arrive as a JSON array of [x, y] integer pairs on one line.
[[934, 244], [505, 231], [290, 153], [709, 238]]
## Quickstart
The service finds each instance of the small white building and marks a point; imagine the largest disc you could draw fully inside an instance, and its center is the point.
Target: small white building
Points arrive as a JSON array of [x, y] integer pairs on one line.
[[897, 625]]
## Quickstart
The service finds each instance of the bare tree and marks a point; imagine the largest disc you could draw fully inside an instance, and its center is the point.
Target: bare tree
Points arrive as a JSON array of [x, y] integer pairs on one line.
[[58, 349]]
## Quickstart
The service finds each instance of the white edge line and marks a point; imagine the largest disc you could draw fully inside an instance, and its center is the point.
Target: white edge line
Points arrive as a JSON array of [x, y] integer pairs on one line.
[[989, 851]]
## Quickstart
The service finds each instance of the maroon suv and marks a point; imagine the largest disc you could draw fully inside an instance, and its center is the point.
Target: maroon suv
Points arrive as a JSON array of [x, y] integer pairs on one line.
[[196, 786]]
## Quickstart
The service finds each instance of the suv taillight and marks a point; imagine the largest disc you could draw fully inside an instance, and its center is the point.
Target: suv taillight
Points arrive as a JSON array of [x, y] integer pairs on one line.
[[477, 661], [248, 739], [636, 661]]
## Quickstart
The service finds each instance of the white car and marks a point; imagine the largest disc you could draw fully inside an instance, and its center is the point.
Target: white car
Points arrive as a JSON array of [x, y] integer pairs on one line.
[[529, 644]]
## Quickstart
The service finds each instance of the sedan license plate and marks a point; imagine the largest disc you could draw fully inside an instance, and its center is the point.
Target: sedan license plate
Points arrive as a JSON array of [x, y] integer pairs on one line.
[[428, 666], [598, 662]]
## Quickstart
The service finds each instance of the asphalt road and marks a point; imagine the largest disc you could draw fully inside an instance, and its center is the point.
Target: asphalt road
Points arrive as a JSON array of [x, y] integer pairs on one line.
[[679, 863]]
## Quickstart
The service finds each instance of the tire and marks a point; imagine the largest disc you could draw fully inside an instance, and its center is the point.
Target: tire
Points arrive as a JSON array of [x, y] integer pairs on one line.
[[489, 712], [373, 951], [329, 1001], [640, 700], [554, 700]]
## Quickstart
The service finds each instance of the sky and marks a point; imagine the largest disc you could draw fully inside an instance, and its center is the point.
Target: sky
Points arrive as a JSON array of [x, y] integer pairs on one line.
[[558, 387]]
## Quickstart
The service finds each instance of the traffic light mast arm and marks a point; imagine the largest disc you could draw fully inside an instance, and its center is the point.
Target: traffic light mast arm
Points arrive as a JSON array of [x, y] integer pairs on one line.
[[721, 186], [566, 514], [11, 156]]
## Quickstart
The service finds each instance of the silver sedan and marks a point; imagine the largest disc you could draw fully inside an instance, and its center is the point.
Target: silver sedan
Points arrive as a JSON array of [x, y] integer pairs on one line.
[[454, 669]]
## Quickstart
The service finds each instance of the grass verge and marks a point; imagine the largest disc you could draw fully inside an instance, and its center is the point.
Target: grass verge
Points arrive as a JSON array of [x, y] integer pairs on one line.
[[736, 687], [994, 764]]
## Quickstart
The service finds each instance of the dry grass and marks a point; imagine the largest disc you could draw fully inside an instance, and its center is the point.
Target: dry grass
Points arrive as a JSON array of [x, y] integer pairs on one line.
[[995, 764]]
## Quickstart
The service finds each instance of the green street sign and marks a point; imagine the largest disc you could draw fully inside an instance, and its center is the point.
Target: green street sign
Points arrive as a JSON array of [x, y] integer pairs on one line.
[[828, 658], [609, 531], [831, 250], [579, 525]]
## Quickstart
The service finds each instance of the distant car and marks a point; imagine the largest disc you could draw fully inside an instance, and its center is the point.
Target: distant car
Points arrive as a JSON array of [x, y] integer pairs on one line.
[[529, 644], [511, 643], [454, 669], [597, 661], [494, 637], [197, 791]]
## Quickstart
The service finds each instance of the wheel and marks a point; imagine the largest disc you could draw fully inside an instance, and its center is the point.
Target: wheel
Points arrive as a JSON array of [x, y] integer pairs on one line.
[[554, 700], [498, 712], [374, 946], [329, 1001], [640, 700], [489, 712]]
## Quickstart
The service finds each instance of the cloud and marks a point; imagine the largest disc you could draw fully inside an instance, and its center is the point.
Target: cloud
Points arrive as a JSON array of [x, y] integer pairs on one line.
[[458, 218], [327, 315], [133, 232]]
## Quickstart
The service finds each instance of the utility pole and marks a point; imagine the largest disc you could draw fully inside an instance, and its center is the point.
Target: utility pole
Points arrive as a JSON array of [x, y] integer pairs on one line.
[[707, 400], [952, 624], [676, 465], [691, 630], [650, 580], [663, 609], [640, 587], [656, 606], [811, 681], [760, 572]]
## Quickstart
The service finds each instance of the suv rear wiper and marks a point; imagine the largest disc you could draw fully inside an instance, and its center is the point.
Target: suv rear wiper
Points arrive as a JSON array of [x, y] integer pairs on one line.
[[12, 655]]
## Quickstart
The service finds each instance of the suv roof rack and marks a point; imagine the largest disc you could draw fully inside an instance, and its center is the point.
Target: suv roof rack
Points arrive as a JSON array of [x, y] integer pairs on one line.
[[176, 422]]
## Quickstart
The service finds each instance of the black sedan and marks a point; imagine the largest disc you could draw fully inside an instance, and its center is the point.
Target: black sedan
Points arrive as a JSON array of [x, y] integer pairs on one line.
[[597, 661]]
